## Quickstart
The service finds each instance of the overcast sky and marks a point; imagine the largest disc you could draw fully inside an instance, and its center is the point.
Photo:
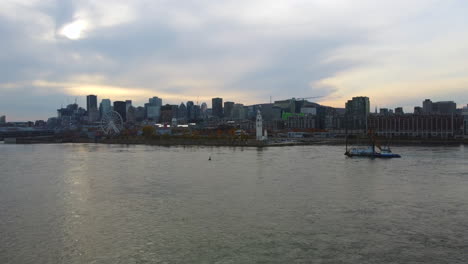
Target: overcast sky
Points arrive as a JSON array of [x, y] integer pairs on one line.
[[397, 52]]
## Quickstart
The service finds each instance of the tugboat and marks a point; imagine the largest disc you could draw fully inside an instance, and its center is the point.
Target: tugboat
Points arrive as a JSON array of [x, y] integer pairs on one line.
[[384, 152]]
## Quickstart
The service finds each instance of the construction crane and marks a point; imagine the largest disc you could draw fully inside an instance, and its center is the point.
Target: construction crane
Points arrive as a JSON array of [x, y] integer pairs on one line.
[[303, 99]]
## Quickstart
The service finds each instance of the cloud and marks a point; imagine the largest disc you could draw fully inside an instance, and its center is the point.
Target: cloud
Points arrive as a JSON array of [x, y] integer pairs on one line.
[[245, 51]]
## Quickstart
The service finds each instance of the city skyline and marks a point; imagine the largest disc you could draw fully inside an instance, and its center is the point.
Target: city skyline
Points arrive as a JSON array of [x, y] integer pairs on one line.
[[95, 107], [397, 53]]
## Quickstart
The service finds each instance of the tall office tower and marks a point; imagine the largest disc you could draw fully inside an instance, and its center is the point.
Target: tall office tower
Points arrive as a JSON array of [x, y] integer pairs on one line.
[[203, 111], [399, 111], [418, 110], [91, 102], [156, 101], [2, 119], [228, 106], [105, 106], [168, 113], [153, 108], [128, 106], [182, 113], [217, 106], [131, 114], [196, 112], [190, 110], [357, 111], [121, 108], [237, 111], [91, 108], [140, 114], [446, 107], [128, 103], [358, 106], [427, 106]]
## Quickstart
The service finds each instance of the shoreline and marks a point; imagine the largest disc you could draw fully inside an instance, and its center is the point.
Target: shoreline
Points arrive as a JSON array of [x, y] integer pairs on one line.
[[225, 142]]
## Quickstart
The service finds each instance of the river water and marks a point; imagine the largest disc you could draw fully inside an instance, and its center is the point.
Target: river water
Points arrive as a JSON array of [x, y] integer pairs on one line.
[[90, 203]]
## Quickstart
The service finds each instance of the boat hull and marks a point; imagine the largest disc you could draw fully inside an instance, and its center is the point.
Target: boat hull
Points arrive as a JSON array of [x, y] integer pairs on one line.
[[373, 155]]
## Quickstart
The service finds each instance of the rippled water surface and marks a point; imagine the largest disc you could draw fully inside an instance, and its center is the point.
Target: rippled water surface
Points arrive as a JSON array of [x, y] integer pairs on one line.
[[87, 203]]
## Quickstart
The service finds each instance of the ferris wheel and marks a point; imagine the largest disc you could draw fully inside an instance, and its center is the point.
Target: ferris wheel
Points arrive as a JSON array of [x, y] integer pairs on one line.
[[112, 123]]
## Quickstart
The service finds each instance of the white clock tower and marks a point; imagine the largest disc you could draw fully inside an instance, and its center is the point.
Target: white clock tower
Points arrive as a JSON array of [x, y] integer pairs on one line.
[[259, 126]]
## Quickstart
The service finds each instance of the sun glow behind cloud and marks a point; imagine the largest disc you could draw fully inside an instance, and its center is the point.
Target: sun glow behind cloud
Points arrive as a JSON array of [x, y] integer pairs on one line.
[[74, 30]]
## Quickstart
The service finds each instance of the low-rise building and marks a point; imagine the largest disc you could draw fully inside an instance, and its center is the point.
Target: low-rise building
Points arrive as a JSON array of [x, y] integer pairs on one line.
[[301, 121], [417, 126], [465, 121]]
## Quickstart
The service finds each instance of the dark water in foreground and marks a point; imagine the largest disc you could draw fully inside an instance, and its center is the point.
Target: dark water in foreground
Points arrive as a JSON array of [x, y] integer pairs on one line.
[[307, 204]]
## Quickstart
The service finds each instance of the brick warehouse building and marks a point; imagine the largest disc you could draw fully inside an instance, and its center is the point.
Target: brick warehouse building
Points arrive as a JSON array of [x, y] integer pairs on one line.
[[417, 126]]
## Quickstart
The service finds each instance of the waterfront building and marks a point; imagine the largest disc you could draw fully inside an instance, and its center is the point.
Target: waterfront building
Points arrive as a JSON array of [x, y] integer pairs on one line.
[[2, 119], [217, 107], [121, 108], [228, 107], [357, 111], [465, 121], [417, 126], [301, 121]]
